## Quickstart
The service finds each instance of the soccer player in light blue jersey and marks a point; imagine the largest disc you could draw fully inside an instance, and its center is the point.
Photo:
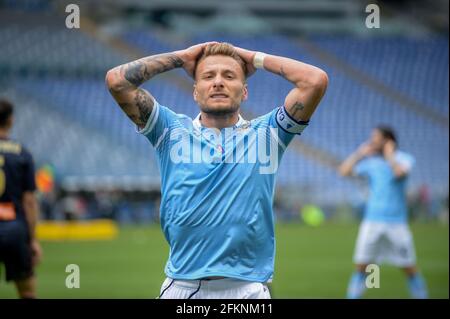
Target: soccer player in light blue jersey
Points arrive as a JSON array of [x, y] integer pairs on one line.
[[218, 170], [384, 235]]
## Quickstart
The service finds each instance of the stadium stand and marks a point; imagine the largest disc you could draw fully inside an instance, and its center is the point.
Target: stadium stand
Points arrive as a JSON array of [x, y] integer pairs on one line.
[[418, 135], [82, 157], [63, 91]]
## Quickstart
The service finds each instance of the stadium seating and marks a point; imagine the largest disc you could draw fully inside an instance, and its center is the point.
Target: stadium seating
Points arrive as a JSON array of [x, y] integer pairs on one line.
[[410, 65], [350, 108], [50, 49], [66, 93], [81, 157]]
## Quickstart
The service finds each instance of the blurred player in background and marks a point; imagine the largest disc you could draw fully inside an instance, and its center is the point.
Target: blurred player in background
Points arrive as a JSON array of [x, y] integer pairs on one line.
[[216, 208], [384, 234], [19, 249]]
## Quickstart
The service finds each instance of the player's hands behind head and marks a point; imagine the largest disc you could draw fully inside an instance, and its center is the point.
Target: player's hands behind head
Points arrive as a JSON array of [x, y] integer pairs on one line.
[[190, 56], [366, 149], [248, 57]]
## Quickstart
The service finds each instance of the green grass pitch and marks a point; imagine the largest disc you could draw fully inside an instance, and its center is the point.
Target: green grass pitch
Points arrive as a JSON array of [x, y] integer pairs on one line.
[[310, 263]]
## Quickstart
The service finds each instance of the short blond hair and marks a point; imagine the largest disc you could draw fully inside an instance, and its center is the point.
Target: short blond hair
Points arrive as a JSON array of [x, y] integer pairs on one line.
[[222, 48]]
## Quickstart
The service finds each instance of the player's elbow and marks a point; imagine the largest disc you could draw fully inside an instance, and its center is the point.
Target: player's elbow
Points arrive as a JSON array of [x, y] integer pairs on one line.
[[344, 171], [320, 80], [113, 81], [316, 81]]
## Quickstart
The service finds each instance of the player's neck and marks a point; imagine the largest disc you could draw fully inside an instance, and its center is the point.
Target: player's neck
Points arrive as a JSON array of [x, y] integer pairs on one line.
[[219, 121]]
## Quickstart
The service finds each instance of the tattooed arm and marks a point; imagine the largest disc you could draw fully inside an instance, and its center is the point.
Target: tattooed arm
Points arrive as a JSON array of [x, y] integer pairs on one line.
[[310, 83], [123, 81]]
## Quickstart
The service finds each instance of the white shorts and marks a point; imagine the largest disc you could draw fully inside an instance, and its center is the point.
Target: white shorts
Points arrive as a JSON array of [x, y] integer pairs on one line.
[[227, 288], [384, 243]]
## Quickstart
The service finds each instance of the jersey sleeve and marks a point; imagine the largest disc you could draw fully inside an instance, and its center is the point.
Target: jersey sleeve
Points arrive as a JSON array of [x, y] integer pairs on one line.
[[405, 160], [285, 126], [158, 123], [29, 181]]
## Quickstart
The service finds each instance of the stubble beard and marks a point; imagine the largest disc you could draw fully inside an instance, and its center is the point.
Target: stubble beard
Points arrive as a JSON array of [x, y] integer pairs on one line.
[[220, 111]]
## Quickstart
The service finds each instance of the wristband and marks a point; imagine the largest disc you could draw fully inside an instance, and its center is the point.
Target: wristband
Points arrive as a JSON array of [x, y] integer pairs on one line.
[[258, 60]]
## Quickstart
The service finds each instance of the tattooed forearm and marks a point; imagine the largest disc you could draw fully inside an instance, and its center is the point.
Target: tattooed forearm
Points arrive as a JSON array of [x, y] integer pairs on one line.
[[295, 110], [142, 70]]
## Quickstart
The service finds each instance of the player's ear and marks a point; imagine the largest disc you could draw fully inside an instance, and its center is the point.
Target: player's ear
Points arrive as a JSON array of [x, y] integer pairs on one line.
[[245, 92], [194, 92]]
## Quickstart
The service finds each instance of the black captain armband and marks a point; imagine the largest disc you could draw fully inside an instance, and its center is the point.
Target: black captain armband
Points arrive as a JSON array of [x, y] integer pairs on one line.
[[288, 124]]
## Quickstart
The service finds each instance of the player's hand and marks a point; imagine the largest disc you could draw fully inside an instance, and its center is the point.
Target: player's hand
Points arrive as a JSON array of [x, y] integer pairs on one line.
[[389, 149], [365, 149], [248, 57], [190, 56], [36, 252]]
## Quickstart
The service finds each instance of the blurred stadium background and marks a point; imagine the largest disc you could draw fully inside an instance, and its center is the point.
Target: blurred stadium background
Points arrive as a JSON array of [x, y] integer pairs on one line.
[[92, 165]]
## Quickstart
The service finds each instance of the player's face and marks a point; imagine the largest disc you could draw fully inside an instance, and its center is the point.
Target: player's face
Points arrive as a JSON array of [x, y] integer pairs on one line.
[[377, 140], [220, 85]]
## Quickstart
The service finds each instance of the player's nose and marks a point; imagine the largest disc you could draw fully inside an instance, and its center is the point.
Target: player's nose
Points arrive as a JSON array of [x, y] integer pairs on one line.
[[218, 81]]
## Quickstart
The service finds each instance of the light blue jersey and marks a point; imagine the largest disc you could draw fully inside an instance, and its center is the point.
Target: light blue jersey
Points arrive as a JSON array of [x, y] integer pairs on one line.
[[387, 198], [217, 192]]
